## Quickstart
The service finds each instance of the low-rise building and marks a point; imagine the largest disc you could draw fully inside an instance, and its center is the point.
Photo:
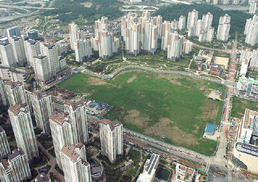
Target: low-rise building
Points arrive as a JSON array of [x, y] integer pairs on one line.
[[248, 87], [42, 178], [184, 173]]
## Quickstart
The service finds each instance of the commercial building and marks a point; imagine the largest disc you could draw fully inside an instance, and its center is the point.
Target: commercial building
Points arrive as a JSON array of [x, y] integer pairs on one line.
[[248, 87], [13, 74], [16, 168], [19, 50], [23, 130], [32, 49], [42, 108], [223, 28], [111, 139], [74, 163], [51, 52], [14, 31], [42, 68], [78, 116], [183, 173], [149, 171], [4, 145], [62, 133], [83, 50], [7, 54], [175, 45], [15, 93], [72, 33]]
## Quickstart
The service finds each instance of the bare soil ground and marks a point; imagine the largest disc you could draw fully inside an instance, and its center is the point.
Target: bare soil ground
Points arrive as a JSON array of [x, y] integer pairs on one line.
[[96, 81], [209, 111], [86, 4], [166, 127], [132, 78], [135, 117]]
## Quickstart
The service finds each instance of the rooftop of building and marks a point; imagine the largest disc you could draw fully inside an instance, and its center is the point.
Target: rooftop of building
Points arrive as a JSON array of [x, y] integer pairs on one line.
[[71, 153], [60, 118], [39, 56], [248, 118], [111, 124], [13, 84], [40, 95], [210, 128], [15, 153], [16, 109], [42, 178], [1, 129], [74, 104]]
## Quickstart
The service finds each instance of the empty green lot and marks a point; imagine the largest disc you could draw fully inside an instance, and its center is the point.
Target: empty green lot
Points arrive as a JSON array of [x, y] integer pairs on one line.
[[159, 105], [239, 105]]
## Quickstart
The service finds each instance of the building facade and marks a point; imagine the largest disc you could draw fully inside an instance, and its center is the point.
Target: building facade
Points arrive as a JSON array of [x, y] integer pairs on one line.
[[42, 68], [19, 50], [7, 54], [15, 93], [223, 28], [4, 145]]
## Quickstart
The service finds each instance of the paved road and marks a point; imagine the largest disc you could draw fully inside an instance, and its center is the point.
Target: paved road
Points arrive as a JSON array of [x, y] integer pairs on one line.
[[52, 162]]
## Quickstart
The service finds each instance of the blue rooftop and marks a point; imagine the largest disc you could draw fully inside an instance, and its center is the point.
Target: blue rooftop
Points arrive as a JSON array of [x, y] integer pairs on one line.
[[210, 128]]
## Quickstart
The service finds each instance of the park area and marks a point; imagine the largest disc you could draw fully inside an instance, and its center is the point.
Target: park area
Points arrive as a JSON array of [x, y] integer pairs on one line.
[[172, 108]]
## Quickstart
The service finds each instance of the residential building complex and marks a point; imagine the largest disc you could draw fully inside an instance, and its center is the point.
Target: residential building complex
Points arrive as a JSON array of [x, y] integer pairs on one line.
[[74, 163], [14, 31], [251, 31], [149, 171], [4, 145], [3, 96], [175, 45], [7, 54], [32, 49], [19, 50], [42, 68], [15, 93], [15, 168], [72, 34], [78, 116], [83, 50], [223, 28], [252, 7], [62, 133], [23, 130], [43, 109], [111, 139], [13, 74]]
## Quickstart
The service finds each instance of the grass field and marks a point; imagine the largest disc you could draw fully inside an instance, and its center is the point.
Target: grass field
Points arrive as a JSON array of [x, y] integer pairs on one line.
[[158, 105], [239, 105]]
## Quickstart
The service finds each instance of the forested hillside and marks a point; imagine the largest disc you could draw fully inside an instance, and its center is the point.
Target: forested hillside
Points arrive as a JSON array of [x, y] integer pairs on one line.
[[238, 18]]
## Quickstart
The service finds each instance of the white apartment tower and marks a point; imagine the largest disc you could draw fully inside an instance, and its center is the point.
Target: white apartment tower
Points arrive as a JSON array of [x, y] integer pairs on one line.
[[188, 47], [62, 133], [51, 51], [157, 21], [23, 130], [108, 44], [133, 44], [111, 139], [150, 37], [181, 22], [32, 49], [4, 145], [42, 68], [251, 31], [192, 19], [3, 95], [78, 116], [166, 27], [16, 168], [15, 93], [223, 28], [252, 7], [19, 50], [72, 33], [7, 54], [83, 50], [74, 163], [42, 108], [175, 44]]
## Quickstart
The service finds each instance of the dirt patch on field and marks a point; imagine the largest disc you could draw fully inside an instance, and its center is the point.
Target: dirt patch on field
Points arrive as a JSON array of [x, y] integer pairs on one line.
[[86, 4], [119, 86], [165, 127], [171, 78], [196, 128], [96, 81], [209, 110], [130, 80], [136, 118]]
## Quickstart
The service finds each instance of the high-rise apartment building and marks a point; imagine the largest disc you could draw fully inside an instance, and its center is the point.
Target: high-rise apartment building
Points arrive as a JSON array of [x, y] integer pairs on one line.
[[32, 49], [175, 45], [42, 108], [15, 93], [16, 168], [181, 22], [19, 50], [42, 68], [83, 50], [62, 133], [78, 116], [133, 44], [192, 19], [51, 51], [74, 163], [3, 95], [13, 74], [7, 54], [188, 47], [223, 28], [23, 130], [166, 28], [72, 33], [111, 139], [252, 7], [4, 145], [14, 31], [251, 31]]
